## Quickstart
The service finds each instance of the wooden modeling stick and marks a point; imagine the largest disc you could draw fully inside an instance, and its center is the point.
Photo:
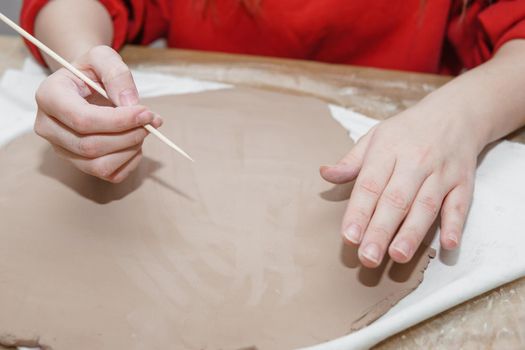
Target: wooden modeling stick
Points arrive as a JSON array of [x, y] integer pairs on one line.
[[83, 77]]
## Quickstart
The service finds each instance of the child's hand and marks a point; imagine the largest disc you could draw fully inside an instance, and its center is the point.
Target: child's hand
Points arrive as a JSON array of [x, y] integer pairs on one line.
[[100, 140], [407, 168]]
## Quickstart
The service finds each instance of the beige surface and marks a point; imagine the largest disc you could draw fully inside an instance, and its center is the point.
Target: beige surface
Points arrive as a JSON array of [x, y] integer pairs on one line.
[[495, 320], [244, 243]]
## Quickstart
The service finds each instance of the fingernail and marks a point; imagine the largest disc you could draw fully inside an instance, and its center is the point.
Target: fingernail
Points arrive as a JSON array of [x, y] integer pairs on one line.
[[353, 233], [129, 97], [402, 247], [157, 121], [145, 117], [371, 252], [452, 238]]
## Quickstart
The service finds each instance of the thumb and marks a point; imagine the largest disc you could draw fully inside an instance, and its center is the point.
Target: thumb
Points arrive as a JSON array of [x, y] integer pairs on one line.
[[349, 166], [114, 74]]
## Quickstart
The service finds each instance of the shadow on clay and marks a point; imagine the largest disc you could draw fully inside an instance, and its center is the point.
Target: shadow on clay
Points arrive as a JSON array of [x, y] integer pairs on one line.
[[372, 277], [349, 256], [368, 277], [395, 272], [97, 190], [402, 272], [338, 193]]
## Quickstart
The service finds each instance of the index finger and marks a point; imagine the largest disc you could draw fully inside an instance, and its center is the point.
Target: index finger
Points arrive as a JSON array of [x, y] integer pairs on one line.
[[67, 106], [114, 74], [366, 192]]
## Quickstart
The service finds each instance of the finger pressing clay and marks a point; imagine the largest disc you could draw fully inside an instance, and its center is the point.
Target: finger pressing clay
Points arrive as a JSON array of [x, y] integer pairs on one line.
[[239, 250]]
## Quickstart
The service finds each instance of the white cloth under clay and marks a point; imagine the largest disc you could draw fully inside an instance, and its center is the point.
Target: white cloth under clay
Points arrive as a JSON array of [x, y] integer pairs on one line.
[[490, 253]]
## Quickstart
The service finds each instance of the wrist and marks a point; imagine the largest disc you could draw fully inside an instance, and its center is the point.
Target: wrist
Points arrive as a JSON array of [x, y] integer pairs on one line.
[[91, 21], [457, 114]]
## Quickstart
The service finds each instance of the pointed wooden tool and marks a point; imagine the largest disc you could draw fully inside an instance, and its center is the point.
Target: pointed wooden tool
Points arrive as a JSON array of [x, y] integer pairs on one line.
[[82, 76]]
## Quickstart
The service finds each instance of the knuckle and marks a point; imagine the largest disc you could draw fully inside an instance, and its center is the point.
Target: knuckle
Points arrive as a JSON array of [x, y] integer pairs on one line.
[[370, 187], [116, 72], [378, 132], [351, 158], [423, 155], [37, 130], [40, 94], [139, 136], [460, 209], [412, 234], [117, 179], [38, 127], [380, 232], [396, 199], [122, 120], [121, 176], [100, 51], [430, 204], [360, 213], [80, 124], [99, 168], [89, 147], [139, 158], [465, 174]]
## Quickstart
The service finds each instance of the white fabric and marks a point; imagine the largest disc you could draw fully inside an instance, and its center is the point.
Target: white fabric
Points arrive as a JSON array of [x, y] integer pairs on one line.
[[490, 254]]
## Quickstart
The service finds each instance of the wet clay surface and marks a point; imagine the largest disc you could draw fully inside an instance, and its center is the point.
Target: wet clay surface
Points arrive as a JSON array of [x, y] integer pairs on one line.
[[239, 250]]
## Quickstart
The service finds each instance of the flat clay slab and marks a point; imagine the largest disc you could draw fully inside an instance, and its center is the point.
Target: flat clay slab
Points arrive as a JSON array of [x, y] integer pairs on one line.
[[239, 250]]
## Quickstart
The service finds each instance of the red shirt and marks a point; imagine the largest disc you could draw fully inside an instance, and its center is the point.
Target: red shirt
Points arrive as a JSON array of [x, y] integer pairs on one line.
[[435, 36]]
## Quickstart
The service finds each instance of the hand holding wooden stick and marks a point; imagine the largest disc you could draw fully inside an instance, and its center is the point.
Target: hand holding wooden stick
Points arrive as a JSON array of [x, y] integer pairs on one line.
[[84, 78]]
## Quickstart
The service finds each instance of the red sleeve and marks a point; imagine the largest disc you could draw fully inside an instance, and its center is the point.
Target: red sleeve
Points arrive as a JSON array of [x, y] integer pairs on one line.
[[128, 19], [477, 32]]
